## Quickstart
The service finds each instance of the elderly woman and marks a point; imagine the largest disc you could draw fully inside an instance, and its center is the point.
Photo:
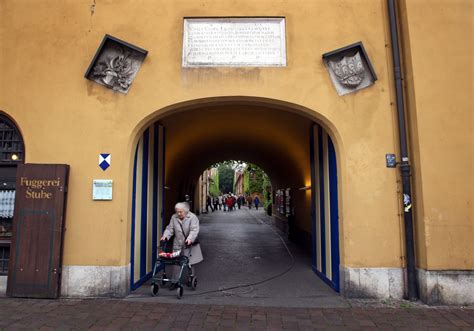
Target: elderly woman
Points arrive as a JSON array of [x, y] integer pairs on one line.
[[184, 225]]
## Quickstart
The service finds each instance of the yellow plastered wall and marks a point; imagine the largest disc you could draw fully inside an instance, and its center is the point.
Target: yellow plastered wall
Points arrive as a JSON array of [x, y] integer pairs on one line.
[[437, 39], [46, 48]]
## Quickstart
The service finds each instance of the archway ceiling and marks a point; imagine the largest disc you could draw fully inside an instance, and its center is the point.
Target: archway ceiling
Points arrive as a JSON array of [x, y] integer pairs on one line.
[[274, 139]]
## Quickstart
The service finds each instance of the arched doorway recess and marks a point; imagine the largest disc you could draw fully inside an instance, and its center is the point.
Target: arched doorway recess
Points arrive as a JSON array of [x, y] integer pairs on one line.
[[292, 144], [12, 152]]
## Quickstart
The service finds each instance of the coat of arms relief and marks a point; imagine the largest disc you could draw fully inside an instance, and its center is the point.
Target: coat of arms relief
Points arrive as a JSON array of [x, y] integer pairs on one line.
[[116, 64], [349, 68]]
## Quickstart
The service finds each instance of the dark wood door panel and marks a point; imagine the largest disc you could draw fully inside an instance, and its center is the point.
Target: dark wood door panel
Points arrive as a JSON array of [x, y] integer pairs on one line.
[[34, 265], [38, 231]]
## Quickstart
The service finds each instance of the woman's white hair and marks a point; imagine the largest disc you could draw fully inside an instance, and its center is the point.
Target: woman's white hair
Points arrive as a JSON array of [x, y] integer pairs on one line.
[[182, 205]]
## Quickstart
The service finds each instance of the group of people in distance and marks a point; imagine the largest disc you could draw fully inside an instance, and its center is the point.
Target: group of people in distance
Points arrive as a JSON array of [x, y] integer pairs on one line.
[[230, 202]]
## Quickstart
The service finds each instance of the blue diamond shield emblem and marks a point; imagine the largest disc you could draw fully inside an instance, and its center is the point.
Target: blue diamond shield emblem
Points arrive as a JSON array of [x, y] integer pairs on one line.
[[104, 161]]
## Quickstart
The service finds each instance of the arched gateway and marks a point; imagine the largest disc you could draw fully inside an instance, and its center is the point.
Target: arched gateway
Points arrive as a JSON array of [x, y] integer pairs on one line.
[[293, 146]]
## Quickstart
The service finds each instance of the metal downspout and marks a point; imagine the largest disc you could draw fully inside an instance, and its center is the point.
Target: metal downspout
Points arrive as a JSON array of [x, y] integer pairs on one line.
[[404, 164]]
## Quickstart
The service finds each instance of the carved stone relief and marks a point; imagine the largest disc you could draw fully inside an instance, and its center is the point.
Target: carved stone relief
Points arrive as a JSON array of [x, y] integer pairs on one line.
[[116, 64], [349, 69]]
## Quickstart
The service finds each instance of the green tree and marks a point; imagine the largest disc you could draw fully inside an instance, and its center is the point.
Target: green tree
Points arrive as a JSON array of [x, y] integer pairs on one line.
[[214, 185], [267, 191], [246, 182], [226, 178], [255, 175], [255, 179]]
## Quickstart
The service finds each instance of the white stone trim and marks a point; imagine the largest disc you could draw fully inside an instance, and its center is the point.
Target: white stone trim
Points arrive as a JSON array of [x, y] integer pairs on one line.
[[94, 281], [3, 285], [446, 287], [372, 282]]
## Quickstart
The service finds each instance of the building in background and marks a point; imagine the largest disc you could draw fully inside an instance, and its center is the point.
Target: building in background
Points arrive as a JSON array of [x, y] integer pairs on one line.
[[239, 182]]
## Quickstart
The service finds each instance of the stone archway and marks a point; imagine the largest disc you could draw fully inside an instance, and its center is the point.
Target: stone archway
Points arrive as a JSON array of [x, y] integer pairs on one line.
[[296, 151]]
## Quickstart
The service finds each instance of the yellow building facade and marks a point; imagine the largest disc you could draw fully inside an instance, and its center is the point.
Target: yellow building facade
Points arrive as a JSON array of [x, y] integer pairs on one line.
[[175, 121]]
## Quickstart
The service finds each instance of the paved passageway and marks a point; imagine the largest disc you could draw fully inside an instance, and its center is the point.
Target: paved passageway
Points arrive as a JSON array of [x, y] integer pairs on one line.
[[242, 249]]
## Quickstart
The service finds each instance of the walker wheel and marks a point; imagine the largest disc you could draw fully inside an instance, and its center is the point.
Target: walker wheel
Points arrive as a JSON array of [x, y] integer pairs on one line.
[[194, 283], [154, 289], [179, 292], [189, 282]]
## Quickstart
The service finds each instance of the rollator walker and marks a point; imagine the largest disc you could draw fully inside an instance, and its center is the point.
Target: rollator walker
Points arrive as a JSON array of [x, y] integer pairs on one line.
[[173, 258]]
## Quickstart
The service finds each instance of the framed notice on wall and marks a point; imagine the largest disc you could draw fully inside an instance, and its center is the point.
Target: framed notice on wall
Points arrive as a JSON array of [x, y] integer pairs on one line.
[[102, 189]]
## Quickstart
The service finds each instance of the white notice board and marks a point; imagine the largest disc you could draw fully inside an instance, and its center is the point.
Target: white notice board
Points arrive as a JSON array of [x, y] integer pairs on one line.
[[102, 189]]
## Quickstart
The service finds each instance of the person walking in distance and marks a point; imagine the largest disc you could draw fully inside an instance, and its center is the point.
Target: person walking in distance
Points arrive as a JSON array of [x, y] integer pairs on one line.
[[230, 203], [215, 202], [209, 204], [256, 201], [249, 201]]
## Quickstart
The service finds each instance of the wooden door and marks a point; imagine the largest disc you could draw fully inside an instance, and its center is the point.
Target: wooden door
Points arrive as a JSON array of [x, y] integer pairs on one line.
[[38, 226]]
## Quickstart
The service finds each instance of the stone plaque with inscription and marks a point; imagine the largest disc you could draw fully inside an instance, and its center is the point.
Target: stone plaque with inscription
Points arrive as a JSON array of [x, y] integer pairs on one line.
[[234, 42]]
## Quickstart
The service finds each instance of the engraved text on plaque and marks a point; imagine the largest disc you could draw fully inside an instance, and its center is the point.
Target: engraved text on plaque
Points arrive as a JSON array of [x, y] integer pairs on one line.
[[234, 42]]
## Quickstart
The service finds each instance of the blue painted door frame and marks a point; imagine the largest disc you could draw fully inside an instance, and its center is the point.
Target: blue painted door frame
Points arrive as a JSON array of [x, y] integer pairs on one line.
[[147, 164], [325, 257]]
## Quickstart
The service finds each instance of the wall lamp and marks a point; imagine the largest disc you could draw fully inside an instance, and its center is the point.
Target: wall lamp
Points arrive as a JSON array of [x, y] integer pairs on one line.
[[305, 188]]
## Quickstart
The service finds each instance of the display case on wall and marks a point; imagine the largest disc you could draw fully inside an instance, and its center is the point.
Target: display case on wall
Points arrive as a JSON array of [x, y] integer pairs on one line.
[[283, 202], [288, 202], [279, 201]]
